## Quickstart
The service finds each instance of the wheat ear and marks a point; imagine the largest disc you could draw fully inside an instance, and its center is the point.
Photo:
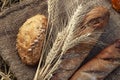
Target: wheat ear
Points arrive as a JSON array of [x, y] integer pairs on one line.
[[69, 37]]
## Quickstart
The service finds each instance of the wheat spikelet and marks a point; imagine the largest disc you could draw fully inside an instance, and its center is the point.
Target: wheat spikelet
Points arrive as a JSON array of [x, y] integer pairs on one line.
[[68, 37], [58, 42], [53, 52]]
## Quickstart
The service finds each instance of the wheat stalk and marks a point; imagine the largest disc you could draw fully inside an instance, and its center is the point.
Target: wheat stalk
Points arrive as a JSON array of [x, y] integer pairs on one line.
[[67, 37], [51, 18], [5, 76], [64, 39]]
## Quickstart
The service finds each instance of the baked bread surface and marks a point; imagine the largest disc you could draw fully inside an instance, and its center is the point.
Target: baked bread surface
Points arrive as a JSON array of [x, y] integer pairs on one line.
[[30, 39]]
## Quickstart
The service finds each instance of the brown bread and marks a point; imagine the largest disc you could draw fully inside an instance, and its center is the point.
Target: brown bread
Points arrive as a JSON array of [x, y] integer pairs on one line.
[[100, 66], [30, 39]]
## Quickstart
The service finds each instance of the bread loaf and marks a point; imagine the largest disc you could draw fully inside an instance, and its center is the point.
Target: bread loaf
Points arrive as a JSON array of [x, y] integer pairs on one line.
[[116, 4], [101, 65], [30, 39], [93, 22]]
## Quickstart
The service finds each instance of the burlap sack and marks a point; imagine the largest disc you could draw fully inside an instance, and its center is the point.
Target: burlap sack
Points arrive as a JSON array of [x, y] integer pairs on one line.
[[10, 21], [12, 18]]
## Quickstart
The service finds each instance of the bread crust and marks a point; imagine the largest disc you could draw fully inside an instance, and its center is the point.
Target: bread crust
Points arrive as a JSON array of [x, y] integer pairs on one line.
[[116, 5], [30, 39], [101, 65]]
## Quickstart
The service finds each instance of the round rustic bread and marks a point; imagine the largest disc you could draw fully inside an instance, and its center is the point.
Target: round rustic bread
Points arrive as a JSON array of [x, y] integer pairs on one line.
[[30, 39]]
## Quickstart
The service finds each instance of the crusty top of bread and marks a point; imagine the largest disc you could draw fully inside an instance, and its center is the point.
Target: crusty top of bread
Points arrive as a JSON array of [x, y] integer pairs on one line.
[[30, 39]]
